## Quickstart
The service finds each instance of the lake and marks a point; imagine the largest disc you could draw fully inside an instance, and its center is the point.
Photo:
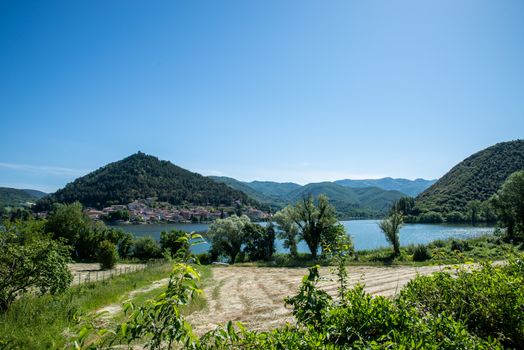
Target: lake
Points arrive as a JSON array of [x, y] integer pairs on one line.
[[365, 233]]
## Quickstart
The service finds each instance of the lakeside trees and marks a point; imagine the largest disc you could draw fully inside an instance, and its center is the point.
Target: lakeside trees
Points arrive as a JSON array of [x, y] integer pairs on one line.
[[237, 234], [311, 220], [509, 204], [391, 227]]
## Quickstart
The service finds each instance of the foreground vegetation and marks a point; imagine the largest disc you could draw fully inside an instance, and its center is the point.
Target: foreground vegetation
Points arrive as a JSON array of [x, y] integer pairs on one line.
[[437, 312], [38, 322]]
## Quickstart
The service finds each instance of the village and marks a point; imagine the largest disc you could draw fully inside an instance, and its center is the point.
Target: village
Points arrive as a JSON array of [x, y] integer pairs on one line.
[[150, 211]]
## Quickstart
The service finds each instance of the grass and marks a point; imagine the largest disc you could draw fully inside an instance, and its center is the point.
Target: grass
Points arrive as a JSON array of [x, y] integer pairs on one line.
[[449, 251], [43, 322]]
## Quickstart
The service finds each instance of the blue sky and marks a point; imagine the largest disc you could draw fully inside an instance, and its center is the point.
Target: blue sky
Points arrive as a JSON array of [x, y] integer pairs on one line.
[[299, 91]]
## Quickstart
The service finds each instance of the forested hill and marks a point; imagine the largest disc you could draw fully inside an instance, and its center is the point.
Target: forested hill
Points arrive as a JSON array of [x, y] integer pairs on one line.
[[15, 198], [409, 187], [476, 178], [142, 176]]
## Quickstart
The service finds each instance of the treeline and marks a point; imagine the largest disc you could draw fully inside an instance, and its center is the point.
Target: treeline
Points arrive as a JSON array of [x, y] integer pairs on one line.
[[141, 176]]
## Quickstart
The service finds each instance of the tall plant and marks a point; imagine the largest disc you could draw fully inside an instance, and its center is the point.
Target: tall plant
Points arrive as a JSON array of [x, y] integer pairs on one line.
[[391, 227]]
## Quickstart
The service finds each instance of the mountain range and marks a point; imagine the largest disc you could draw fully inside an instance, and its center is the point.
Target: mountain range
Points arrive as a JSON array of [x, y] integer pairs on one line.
[[348, 200]]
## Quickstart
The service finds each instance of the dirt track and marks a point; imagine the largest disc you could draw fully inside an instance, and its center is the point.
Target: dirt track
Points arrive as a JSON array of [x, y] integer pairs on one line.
[[255, 295]]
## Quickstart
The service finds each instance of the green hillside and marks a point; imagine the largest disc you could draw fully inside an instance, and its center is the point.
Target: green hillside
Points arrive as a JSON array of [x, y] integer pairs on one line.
[[350, 202], [476, 178], [15, 198], [244, 187], [408, 187], [143, 176], [274, 189]]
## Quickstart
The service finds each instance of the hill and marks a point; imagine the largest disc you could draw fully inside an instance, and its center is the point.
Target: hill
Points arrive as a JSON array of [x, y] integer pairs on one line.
[[142, 176], [476, 178], [409, 187], [350, 202], [244, 187], [274, 189], [12, 197]]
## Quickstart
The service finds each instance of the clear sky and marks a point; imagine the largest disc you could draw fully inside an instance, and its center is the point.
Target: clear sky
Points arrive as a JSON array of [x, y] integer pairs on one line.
[[299, 91]]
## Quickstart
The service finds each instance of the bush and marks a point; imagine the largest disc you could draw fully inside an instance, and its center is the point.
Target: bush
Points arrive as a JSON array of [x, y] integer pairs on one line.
[[106, 255], [36, 264], [460, 245], [488, 301], [421, 253], [431, 217], [171, 241], [146, 248]]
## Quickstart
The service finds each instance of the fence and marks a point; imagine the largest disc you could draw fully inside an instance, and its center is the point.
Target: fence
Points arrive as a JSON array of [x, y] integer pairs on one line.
[[80, 277]]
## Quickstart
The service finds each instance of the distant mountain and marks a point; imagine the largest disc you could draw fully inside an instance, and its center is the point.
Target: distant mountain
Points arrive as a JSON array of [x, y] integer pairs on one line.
[[409, 187], [244, 187], [368, 201], [35, 193], [142, 176], [349, 202], [477, 177], [12, 197], [274, 189]]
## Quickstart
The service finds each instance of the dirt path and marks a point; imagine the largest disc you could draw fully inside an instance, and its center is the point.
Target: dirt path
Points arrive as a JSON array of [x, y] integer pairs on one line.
[[255, 295], [111, 310]]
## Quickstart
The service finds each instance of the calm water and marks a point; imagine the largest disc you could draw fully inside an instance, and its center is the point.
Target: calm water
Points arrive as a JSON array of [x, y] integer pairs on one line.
[[365, 233]]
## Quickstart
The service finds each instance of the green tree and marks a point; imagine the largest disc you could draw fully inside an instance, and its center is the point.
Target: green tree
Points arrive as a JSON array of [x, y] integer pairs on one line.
[[259, 241], [509, 204], [314, 220], [35, 264], [106, 255], [68, 221], [474, 209], [172, 241], [287, 230], [227, 236], [146, 248], [391, 227]]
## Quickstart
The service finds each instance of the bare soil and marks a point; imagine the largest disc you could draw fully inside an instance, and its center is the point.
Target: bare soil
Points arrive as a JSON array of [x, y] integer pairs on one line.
[[255, 295]]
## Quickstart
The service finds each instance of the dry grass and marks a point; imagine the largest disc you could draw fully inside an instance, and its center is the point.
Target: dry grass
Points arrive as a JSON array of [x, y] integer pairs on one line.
[[255, 295]]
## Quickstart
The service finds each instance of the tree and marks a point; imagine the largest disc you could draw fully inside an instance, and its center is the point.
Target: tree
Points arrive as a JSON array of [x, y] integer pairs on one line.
[[146, 248], [106, 255], [259, 241], [473, 209], [36, 264], [314, 220], [287, 230], [509, 204], [227, 236], [391, 227], [172, 241], [68, 221]]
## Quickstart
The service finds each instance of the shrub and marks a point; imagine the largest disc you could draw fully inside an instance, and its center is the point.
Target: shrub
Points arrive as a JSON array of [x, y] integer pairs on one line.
[[489, 301], [146, 248], [460, 245], [431, 217], [171, 241], [37, 264], [106, 255], [421, 253]]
